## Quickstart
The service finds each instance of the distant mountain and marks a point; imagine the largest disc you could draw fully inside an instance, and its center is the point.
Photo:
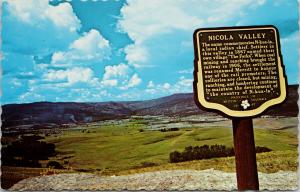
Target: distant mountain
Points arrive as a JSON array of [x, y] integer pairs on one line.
[[61, 112], [71, 112], [290, 106]]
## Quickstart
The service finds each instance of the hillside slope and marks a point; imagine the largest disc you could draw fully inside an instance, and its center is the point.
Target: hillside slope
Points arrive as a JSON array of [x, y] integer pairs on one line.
[[71, 112]]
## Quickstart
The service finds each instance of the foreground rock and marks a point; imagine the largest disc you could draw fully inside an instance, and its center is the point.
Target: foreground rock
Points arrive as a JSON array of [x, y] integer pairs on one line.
[[161, 180]]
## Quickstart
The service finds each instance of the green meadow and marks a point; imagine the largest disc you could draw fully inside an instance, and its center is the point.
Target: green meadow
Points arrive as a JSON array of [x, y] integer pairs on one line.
[[130, 147]]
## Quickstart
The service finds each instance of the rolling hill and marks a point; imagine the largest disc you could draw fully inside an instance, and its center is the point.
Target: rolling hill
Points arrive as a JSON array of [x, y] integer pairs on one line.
[[56, 113]]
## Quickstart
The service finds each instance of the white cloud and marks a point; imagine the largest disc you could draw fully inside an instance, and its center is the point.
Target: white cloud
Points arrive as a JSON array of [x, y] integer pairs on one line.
[[150, 84], [114, 74], [58, 57], [133, 82], [158, 17], [166, 86], [33, 12], [121, 75], [110, 82], [79, 75], [136, 55], [90, 42], [114, 71], [36, 28], [63, 15], [170, 15], [185, 83], [74, 75], [182, 85], [151, 88], [26, 11], [91, 46], [30, 97]]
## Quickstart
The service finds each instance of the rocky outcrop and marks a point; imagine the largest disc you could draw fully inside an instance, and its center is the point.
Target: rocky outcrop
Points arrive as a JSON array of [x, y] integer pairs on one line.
[[160, 180]]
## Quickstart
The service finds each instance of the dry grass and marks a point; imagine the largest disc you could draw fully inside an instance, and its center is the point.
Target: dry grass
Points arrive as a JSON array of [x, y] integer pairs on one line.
[[269, 162], [11, 175]]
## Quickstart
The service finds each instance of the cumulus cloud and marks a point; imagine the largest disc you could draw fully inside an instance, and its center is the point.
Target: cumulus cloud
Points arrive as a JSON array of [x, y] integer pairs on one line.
[[74, 75], [158, 17], [132, 82], [33, 12], [178, 15], [136, 55], [121, 75], [115, 71], [169, 15], [182, 85], [90, 42], [166, 86], [91, 46], [36, 28]]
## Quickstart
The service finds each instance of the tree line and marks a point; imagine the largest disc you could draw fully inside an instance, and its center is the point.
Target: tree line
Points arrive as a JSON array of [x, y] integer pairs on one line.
[[206, 152]]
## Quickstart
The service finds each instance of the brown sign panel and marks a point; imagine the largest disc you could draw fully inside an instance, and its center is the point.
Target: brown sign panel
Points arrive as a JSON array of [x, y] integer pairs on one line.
[[238, 70]]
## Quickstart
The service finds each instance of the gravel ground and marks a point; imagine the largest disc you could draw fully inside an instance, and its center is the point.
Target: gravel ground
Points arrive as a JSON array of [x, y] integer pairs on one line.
[[160, 180]]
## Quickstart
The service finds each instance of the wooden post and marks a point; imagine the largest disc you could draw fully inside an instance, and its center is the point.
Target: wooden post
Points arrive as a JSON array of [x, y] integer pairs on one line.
[[245, 156]]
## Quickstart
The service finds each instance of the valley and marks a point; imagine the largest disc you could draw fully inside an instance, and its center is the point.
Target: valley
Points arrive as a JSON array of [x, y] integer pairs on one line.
[[124, 138]]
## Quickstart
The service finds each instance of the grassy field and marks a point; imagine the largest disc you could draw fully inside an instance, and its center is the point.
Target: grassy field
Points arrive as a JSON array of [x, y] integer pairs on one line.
[[114, 149], [127, 147]]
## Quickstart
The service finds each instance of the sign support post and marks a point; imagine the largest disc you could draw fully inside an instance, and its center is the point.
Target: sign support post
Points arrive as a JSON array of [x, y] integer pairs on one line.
[[245, 157]]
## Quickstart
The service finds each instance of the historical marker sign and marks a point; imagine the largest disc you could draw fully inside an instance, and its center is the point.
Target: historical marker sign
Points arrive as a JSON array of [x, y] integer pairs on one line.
[[238, 70]]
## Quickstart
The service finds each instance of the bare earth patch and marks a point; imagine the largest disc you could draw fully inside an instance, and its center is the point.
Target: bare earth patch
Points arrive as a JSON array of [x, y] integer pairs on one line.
[[209, 179]]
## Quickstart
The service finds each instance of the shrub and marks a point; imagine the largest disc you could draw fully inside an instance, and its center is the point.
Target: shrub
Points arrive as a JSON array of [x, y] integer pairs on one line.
[[170, 129], [259, 149], [148, 164], [206, 152], [175, 157], [54, 165], [27, 152]]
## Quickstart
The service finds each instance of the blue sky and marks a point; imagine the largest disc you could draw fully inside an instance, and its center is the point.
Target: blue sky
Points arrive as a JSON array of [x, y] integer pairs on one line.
[[106, 50]]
